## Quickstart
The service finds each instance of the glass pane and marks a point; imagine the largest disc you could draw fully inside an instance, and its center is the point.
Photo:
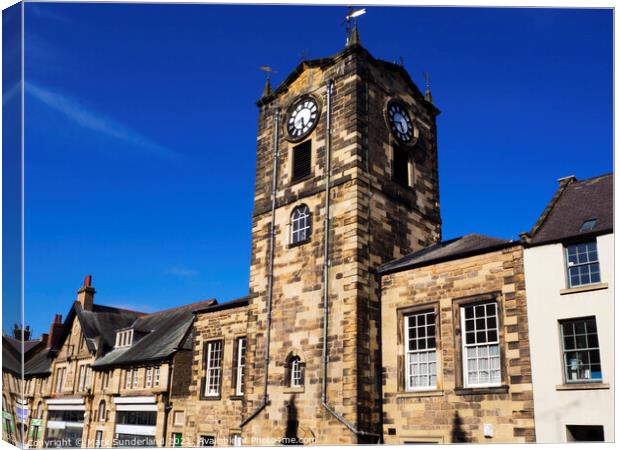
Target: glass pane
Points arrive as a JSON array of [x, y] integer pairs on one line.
[[491, 322], [581, 341], [469, 312], [491, 309], [469, 325]]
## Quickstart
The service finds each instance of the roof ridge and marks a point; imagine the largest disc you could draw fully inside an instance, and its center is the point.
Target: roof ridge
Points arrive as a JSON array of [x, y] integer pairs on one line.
[[593, 178], [116, 309], [186, 307], [547, 211]]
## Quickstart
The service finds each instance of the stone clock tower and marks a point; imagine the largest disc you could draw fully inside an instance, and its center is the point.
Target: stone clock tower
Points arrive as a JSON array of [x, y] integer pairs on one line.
[[346, 179]]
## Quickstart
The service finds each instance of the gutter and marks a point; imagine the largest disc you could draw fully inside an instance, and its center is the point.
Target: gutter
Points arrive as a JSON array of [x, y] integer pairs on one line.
[[272, 235], [326, 265]]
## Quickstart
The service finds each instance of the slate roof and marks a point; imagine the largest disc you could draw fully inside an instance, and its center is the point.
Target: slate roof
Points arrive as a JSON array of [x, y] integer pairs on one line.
[[10, 356], [468, 245], [39, 364], [156, 336], [574, 203], [102, 321], [11, 353]]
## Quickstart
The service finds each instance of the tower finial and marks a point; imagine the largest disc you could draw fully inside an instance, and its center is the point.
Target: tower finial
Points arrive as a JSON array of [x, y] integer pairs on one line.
[[267, 89], [427, 94], [353, 37]]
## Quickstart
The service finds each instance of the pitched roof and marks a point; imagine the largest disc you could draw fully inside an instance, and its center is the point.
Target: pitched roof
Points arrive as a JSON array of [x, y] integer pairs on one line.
[[461, 247], [103, 321], [156, 336], [574, 203], [12, 349], [11, 361], [39, 364]]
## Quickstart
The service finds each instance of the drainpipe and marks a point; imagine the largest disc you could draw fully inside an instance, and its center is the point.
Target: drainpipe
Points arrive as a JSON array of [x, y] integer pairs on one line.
[[272, 236], [168, 405], [326, 264]]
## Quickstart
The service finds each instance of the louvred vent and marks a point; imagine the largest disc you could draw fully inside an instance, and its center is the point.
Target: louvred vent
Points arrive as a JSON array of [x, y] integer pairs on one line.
[[302, 159], [400, 169]]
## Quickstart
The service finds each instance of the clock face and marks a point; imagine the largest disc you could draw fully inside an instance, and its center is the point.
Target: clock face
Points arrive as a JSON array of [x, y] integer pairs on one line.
[[302, 118], [400, 123]]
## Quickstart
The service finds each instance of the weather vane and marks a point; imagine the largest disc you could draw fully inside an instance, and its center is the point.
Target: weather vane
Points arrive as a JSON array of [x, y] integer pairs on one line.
[[268, 70], [352, 14]]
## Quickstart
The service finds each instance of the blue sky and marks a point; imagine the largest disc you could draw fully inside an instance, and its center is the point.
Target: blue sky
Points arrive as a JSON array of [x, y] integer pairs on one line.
[[141, 131]]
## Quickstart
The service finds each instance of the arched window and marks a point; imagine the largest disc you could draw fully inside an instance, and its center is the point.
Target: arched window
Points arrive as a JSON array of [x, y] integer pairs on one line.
[[295, 375], [101, 411], [39, 412], [5, 405], [300, 225]]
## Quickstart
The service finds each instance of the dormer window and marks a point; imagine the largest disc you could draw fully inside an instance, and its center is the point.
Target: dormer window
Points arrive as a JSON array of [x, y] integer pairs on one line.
[[124, 338]]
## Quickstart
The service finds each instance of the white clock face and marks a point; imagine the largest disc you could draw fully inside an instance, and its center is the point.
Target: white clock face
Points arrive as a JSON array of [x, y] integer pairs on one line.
[[303, 118], [400, 123]]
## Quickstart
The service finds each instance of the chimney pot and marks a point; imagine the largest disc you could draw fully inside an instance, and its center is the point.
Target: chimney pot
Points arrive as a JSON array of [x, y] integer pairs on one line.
[[88, 280]]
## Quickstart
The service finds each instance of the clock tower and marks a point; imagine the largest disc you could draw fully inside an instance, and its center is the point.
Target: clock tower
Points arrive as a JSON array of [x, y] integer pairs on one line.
[[346, 180]]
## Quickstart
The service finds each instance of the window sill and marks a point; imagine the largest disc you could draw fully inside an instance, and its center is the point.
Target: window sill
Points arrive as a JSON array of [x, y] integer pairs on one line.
[[481, 390], [211, 397], [295, 181], [236, 397], [297, 244], [585, 288], [429, 393], [581, 386], [293, 390]]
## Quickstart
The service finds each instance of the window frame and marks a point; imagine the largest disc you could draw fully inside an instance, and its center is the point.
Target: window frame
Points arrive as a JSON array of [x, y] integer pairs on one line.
[[568, 265], [128, 378], [209, 368], [98, 439], [148, 377], [296, 372], [307, 228], [124, 338], [464, 364], [241, 344], [156, 376], [59, 383], [430, 310], [101, 409], [564, 351]]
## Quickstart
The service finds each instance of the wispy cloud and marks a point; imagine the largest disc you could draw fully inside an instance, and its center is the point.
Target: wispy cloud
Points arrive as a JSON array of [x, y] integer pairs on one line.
[[46, 11], [11, 92], [182, 272], [95, 121]]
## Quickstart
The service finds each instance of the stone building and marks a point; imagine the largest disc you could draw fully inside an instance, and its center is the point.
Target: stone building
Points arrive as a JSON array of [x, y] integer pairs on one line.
[[455, 345], [569, 274], [109, 376], [360, 324], [346, 179], [15, 406]]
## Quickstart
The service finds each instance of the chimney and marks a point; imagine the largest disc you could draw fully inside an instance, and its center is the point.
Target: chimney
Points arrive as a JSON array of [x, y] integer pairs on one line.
[[45, 338], [86, 294], [55, 330]]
